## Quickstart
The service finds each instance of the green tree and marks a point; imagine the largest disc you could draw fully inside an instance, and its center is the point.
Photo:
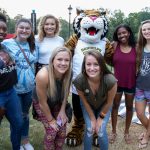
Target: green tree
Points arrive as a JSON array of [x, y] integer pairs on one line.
[[117, 17], [64, 32]]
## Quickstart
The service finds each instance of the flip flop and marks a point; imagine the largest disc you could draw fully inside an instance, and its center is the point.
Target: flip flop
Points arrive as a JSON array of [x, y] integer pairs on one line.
[[142, 145], [127, 138], [112, 137], [141, 136]]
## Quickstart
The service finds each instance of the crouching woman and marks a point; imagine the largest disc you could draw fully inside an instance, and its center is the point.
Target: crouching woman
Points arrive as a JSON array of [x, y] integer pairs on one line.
[[96, 87], [52, 88]]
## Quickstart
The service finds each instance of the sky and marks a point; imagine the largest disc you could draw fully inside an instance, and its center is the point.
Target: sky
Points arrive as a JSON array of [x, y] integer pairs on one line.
[[59, 8]]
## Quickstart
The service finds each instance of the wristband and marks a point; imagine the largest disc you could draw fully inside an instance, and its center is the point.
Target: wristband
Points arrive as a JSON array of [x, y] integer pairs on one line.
[[102, 115], [51, 121]]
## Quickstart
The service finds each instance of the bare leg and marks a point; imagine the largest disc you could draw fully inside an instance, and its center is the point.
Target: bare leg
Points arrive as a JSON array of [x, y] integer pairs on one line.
[[114, 113], [144, 141], [140, 110], [129, 111]]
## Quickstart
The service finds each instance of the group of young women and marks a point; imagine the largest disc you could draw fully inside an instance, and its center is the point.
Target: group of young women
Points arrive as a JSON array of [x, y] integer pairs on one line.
[[100, 90], [132, 69]]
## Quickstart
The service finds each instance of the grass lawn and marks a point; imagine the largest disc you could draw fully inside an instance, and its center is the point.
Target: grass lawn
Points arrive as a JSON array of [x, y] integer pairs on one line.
[[37, 133]]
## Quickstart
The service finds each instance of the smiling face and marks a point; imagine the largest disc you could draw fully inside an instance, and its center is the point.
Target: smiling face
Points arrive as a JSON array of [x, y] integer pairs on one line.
[[146, 30], [61, 63], [23, 31], [92, 67], [123, 35], [92, 28], [50, 27], [90, 25]]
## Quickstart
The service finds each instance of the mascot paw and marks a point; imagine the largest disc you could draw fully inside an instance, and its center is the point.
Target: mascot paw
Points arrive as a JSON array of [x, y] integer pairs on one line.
[[95, 140], [74, 138]]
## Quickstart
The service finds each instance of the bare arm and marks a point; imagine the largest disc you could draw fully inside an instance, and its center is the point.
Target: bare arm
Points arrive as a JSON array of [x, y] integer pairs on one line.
[[110, 98], [41, 88], [106, 108]]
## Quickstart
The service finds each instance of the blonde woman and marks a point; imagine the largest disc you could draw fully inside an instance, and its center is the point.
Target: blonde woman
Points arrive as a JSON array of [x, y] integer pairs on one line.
[[142, 95], [47, 39], [52, 88]]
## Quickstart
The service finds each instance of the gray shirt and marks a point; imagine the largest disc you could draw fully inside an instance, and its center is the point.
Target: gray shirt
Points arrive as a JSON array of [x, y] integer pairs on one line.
[[143, 78], [98, 100]]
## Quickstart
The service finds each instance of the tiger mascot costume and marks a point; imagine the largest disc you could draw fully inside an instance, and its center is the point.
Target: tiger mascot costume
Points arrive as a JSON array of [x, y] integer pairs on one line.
[[90, 27]]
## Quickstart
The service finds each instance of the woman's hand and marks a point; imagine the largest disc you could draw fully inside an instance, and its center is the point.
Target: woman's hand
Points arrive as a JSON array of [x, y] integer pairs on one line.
[[54, 125], [62, 116], [98, 124], [93, 125]]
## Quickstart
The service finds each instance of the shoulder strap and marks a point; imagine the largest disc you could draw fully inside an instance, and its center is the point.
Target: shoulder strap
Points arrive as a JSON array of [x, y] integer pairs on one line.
[[23, 53]]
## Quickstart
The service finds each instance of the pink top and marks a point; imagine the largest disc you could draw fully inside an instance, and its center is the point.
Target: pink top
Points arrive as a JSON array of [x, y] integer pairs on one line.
[[125, 67]]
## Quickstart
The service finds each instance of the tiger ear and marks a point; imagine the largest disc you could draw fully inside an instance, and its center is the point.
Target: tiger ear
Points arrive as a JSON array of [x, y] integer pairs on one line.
[[79, 10]]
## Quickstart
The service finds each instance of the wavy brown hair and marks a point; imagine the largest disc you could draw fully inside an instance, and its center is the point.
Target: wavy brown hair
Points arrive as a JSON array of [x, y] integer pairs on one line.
[[41, 31], [141, 42], [100, 59]]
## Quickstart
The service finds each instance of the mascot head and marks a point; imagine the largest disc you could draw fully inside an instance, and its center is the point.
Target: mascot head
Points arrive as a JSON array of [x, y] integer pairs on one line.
[[90, 25]]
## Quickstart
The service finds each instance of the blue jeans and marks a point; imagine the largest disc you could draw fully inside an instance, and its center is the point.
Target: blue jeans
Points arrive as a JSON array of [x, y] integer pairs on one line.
[[26, 101], [102, 136], [9, 100]]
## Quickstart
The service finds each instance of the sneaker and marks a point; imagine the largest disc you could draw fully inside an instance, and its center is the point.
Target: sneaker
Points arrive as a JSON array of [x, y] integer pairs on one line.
[[28, 146], [21, 148]]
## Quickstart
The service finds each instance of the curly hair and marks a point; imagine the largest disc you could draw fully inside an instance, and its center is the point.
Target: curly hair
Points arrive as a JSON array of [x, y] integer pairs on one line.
[[132, 42]]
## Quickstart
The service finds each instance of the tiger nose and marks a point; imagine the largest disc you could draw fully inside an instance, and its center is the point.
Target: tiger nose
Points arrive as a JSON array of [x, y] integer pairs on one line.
[[93, 18]]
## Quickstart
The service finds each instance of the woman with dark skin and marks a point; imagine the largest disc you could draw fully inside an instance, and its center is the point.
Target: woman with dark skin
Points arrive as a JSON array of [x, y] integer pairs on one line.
[[124, 62]]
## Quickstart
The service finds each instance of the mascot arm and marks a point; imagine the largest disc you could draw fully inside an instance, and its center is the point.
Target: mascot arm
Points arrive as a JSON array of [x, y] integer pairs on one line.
[[108, 56], [71, 43]]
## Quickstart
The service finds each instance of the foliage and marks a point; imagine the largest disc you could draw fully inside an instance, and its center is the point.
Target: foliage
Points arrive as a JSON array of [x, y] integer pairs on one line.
[[64, 32], [133, 20], [116, 17]]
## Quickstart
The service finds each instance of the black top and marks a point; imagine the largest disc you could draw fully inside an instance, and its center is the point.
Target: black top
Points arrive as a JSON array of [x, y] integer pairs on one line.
[[57, 100], [8, 74]]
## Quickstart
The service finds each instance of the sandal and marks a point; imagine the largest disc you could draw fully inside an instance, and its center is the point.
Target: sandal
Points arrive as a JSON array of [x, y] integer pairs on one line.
[[141, 136], [112, 137], [142, 145], [127, 138]]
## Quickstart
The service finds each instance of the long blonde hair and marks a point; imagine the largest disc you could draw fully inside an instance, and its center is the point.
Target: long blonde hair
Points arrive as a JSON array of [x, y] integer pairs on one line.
[[141, 42], [66, 81], [41, 31]]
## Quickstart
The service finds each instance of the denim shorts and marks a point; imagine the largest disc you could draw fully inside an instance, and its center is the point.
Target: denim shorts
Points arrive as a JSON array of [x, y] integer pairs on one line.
[[141, 95], [125, 90]]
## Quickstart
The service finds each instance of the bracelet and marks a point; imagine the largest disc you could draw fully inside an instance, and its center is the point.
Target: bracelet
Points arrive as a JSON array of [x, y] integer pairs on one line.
[[102, 115], [51, 121]]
